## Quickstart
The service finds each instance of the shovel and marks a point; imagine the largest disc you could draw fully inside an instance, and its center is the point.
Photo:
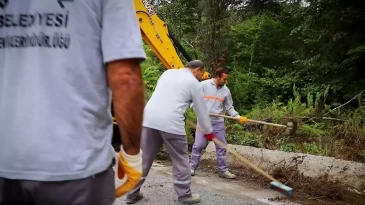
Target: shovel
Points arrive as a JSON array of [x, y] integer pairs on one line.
[[290, 127], [275, 184]]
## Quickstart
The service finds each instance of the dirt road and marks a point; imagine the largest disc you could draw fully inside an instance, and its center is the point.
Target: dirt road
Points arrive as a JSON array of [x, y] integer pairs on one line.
[[158, 190]]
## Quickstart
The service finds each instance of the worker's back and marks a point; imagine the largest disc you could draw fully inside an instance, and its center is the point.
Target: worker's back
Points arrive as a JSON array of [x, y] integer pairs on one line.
[[172, 96], [55, 120]]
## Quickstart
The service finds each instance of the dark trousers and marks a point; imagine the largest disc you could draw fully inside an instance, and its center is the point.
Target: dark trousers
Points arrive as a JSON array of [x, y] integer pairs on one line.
[[95, 190]]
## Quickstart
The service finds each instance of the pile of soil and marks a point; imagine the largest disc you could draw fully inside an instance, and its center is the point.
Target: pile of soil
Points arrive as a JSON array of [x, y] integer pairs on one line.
[[306, 190]]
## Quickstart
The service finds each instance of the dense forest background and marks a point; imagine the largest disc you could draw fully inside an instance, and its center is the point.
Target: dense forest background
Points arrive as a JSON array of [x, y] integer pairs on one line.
[[288, 59]]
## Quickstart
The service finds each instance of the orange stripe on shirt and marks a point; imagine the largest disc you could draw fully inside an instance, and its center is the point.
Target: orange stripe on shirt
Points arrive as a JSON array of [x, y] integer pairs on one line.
[[213, 98]]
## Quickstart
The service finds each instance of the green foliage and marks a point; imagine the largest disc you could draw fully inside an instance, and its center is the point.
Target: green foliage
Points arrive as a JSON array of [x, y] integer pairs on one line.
[[190, 115], [151, 71], [316, 130], [182, 18], [314, 135], [316, 149], [244, 138], [289, 147], [263, 59], [287, 60]]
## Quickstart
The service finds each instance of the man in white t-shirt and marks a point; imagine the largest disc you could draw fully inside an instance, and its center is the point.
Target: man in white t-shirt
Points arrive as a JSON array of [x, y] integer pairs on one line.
[[60, 61], [164, 123]]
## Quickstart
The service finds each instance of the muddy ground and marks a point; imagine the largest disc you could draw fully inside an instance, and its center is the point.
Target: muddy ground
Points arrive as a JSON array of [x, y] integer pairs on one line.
[[306, 191]]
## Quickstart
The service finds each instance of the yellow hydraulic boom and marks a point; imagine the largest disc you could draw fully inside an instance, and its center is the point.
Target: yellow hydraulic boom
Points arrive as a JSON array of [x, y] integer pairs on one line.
[[156, 34], [158, 37]]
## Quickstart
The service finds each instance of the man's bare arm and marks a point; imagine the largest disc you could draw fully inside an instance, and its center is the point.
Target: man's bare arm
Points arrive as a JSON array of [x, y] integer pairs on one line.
[[125, 81]]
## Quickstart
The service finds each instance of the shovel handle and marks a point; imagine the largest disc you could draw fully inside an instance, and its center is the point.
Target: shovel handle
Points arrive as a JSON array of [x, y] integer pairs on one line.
[[254, 121], [246, 161]]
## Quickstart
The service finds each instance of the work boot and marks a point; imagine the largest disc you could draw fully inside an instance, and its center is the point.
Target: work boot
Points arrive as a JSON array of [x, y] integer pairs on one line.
[[195, 198], [227, 174], [192, 172], [132, 200]]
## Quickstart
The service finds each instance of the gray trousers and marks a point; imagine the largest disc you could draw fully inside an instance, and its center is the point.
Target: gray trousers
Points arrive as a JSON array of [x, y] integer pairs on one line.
[[200, 144], [96, 190], [177, 147]]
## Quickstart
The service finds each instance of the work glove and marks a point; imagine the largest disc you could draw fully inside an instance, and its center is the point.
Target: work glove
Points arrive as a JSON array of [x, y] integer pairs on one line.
[[243, 120], [209, 136], [130, 166]]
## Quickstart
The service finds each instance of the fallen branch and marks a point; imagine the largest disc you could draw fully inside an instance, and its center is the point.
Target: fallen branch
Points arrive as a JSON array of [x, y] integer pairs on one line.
[[345, 103], [323, 118]]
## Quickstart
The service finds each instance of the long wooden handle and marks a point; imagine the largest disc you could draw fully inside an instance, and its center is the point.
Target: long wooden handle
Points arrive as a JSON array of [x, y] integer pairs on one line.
[[246, 161], [254, 121]]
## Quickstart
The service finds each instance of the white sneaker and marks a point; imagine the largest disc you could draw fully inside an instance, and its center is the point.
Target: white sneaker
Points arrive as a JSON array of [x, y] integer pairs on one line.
[[192, 172], [227, 175], [195, 198]]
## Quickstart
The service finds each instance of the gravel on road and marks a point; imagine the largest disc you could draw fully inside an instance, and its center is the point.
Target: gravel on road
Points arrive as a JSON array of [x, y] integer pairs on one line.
[[158, 190]]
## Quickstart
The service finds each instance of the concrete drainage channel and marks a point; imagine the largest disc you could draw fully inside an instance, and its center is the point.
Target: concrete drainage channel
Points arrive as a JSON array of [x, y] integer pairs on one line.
[[351, 174]]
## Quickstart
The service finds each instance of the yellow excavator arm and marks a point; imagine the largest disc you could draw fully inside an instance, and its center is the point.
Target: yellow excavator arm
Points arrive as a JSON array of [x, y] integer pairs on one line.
[[156, 34]]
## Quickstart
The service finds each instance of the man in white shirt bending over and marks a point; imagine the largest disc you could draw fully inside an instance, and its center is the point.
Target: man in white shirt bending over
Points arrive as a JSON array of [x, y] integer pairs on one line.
[[164, 123]]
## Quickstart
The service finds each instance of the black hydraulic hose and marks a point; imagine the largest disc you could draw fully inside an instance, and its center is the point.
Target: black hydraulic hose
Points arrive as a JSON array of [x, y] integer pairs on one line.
[[179, 46]]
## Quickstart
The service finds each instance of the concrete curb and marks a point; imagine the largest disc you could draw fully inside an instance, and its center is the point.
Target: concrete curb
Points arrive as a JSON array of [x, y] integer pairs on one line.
[[349, 173]]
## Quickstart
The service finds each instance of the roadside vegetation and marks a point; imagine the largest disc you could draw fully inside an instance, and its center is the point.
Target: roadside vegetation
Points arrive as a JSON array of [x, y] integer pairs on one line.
[[299, 60], [322, 129]]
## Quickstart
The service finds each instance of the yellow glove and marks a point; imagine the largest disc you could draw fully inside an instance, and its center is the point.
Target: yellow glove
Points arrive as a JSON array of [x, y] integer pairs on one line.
[[243, 120], [131, 166]]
